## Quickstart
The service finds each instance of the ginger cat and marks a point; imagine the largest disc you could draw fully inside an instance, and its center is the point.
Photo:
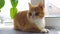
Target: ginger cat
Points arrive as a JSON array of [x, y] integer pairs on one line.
[[31, 20]]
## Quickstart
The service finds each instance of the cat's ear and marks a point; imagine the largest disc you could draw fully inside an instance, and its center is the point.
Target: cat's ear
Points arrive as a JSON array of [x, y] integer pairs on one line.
[[41, 4], [30, 6]]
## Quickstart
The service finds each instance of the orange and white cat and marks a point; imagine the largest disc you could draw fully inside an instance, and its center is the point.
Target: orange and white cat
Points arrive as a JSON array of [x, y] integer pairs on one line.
[[31, 20]]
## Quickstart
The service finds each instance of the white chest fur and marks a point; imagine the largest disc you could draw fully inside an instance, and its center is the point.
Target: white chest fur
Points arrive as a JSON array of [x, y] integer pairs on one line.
[[40, 22]]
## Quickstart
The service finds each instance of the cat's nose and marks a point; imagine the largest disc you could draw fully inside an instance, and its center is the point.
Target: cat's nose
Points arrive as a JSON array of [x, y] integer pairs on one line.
[[36, 14], [33, 15]]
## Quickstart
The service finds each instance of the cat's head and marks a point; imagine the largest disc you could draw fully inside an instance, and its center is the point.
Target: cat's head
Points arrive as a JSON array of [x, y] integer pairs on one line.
[[36, 11]]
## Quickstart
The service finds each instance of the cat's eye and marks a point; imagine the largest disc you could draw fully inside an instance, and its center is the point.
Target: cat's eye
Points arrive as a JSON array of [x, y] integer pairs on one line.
[[30, 14]]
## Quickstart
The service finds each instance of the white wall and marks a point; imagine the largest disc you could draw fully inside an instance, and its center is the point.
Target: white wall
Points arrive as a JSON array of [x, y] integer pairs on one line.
[[5, 11], [23, 5], [34, 2]]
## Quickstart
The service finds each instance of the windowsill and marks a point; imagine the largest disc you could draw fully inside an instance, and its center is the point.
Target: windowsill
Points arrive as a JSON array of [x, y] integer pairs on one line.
[[6, 25], [58, 32], [52, 16]]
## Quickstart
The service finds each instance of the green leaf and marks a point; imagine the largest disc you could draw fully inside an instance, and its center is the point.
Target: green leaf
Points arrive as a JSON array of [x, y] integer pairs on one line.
[[13, 12], [2, 2], [14, 3]]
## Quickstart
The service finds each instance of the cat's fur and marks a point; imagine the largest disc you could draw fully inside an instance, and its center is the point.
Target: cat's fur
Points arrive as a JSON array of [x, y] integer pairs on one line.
[[31, 20]]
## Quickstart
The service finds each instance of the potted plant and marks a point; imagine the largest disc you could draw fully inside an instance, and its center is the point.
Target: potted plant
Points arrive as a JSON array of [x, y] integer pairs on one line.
[[13, 10], [2, 2]]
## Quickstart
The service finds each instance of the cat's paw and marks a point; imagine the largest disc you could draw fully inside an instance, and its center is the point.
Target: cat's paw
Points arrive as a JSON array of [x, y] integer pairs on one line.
[[44, 30]]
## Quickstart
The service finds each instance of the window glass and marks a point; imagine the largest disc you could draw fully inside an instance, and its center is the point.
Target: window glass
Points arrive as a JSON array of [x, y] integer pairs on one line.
[[52, 8]]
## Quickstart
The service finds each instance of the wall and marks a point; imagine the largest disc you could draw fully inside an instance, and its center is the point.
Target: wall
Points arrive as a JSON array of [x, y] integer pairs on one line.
[[34, 2]]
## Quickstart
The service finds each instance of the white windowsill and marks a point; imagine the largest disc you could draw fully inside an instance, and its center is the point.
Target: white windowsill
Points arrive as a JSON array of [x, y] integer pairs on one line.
[[6, 26], [52, 16], [58, 32]]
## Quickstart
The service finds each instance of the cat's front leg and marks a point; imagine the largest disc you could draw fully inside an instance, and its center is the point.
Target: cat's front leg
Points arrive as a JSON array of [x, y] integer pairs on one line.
[[41, 27], [44, 30]]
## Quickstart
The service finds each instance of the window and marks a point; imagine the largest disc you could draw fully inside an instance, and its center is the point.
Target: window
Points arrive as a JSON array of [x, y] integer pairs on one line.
[[52, 8]]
